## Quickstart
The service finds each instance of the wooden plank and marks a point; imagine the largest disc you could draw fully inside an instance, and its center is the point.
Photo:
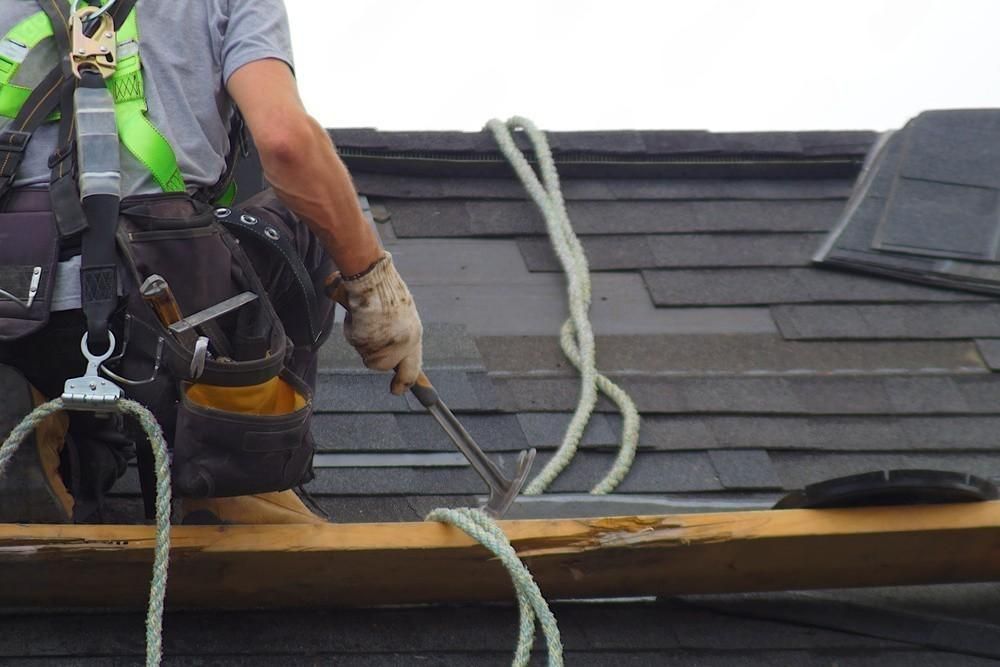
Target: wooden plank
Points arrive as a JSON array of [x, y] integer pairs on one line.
[[373, 564]]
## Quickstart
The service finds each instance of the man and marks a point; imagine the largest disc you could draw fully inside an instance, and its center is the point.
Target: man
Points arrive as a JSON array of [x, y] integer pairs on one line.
[[199, 58]]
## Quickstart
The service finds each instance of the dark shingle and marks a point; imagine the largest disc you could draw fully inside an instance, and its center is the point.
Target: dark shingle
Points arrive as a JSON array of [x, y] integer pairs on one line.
[[906, 322], [990, 351], [727, 250], [491, 432], [507, 218], [454, 389], [653, 472], [763, 286], [358, 432], [783, 394], [357, 392], [744, 469], [395, 186], [605, 253], [797, 469], [726, 354], [546, 430]]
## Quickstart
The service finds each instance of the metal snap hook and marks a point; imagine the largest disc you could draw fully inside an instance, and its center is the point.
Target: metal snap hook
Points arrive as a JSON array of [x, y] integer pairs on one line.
[[103, 10]]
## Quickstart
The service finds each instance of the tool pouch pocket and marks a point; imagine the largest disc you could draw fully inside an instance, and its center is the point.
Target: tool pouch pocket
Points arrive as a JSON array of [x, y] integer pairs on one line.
[[237, 441], [29, 250], [241, 424]]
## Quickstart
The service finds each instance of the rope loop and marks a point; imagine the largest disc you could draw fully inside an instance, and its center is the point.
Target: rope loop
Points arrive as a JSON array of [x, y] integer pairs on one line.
[[161, 557], [577, 335], [531, 603]]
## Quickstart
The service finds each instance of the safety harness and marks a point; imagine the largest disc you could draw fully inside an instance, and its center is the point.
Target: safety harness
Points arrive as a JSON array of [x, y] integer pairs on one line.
[[125, 83]]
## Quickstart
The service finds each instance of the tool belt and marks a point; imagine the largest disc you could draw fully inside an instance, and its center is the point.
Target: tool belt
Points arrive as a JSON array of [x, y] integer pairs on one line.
[[237, 417]]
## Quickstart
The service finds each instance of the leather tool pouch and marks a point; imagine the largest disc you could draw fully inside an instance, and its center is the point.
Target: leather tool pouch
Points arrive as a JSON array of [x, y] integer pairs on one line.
[[241, 423], [29, 250]]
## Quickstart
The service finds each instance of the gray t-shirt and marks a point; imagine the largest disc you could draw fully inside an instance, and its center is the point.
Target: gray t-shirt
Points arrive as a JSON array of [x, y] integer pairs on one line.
[[189, 49]]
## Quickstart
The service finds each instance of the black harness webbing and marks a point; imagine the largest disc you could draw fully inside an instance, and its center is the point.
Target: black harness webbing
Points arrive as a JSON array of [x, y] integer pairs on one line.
[[44, 99]]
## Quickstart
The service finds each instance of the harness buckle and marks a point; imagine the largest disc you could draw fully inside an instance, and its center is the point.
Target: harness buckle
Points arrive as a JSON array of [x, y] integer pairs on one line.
[[97, 52], [14, 141]]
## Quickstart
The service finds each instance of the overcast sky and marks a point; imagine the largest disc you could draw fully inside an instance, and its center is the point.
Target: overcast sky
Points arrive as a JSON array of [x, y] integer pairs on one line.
[[721, 65]]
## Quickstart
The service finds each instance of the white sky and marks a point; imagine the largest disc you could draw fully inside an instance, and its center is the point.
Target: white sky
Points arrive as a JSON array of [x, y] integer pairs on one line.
[[720, 65]]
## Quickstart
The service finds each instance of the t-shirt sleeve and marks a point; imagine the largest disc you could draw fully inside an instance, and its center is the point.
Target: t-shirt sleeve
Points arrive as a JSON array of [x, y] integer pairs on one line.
[[256, 30]]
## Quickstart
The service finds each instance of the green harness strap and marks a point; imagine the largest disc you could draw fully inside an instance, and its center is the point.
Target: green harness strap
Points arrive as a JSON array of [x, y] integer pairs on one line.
[[14, 48], [137, 133]]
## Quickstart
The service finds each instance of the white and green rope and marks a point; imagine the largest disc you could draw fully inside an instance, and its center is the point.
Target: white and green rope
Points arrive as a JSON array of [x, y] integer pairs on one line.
[[158, 584], [577, 335], [477, 525]]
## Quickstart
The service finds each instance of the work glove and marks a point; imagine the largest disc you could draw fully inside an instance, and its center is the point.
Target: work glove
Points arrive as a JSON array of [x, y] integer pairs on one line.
[[382, 323]]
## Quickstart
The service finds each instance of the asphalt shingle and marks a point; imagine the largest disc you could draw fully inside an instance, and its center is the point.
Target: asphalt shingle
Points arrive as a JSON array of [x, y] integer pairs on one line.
[[891, 322], [768, 286]]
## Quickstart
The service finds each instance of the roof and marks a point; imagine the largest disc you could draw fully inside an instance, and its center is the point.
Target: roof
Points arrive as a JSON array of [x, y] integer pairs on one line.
[[756, 373]]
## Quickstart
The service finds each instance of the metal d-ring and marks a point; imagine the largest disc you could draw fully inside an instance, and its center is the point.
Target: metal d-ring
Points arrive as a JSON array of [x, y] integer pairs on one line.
[[94, 361]]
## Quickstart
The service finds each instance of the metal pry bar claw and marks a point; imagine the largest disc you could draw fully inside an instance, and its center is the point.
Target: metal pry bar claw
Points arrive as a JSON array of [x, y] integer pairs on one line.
[[503, 491]]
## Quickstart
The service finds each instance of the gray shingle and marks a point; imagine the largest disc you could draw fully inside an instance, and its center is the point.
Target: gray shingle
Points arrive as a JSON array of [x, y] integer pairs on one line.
[[761, 286], [797, 469], [546, 429], [439, 218], [395, 186], [726, 250], [912, 321], [454, 389], [788, 394], [358, 432], [726, 354], [357, 392], [989, 349], [428, 218], [673, 432], [446, 345], [925, 395], [538, 307], [822, 433], [744, 469], [491, 432], [980, 393], [604, 253], [654, 472]]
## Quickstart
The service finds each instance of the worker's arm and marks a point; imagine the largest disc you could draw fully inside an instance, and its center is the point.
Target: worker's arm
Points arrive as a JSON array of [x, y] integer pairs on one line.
[[307, 175], [301, 165]]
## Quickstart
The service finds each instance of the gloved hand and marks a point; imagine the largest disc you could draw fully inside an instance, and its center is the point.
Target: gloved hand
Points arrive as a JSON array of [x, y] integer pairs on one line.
[[382, 323]]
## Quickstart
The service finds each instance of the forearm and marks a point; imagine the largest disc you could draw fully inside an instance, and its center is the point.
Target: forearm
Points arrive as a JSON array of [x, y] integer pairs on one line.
[[309, 177]]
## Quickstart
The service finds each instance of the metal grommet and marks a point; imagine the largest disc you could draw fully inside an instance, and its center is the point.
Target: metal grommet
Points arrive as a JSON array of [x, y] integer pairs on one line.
[[272, 233], [248, 219], [221, 213]]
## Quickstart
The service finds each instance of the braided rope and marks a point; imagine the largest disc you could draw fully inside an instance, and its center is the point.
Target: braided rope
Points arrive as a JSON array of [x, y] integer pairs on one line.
[[158, 584], [577, 335], [477, 525]]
